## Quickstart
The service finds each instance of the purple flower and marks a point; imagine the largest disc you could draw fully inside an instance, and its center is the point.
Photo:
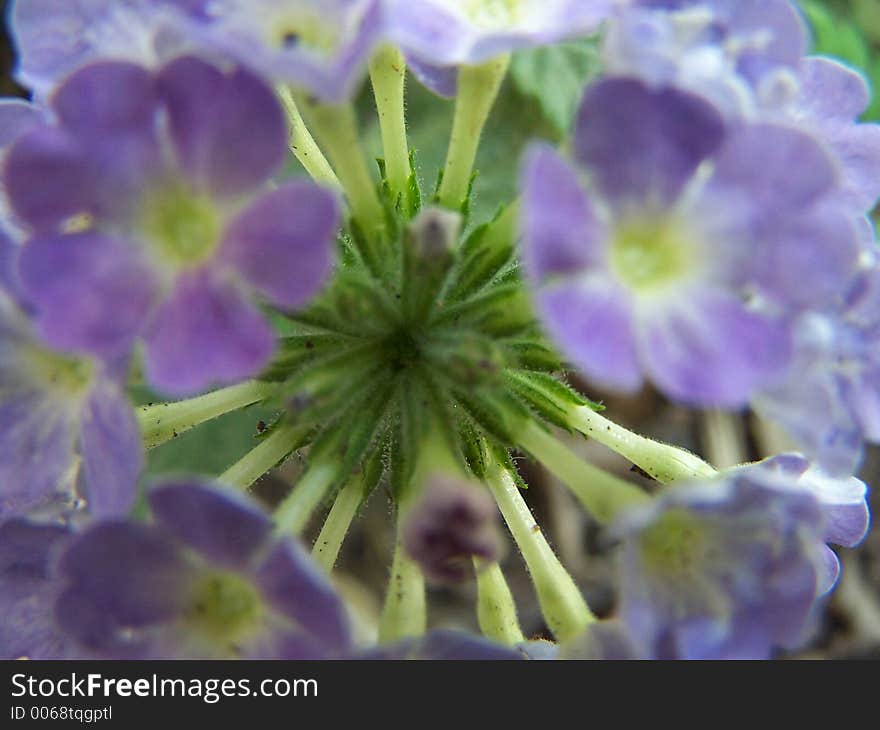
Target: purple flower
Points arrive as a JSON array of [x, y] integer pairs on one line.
[[743, 55], [659, 255], [438, 36], [832, 98], [453, 33], [452, 523], [830, 402], [748, 58], [66, 424], [56, 37], [207, 580], [733, 568], [149, 218], [319, 46], [27, 592]]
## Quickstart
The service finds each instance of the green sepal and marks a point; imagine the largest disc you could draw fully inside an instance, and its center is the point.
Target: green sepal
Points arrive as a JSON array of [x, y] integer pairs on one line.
[[499, 415], [548, 397], [473, 447], [294, 351], [355, 433], [534, 354], [374, 467], [501, 311], [483, 256]]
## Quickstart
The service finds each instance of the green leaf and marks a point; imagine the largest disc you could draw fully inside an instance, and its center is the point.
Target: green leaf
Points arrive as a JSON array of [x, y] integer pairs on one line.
[[555, 77]]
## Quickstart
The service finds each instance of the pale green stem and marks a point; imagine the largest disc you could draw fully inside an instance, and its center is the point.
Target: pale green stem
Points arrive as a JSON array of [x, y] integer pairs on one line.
[[663, 462], [724, 438], [326, 548], [272, 449], [303, 145], [388, 75], [604, 495], [562, 605], [404, 613], [164, 421], [307, 494], [496, 610], [478, 88], [337, 130]]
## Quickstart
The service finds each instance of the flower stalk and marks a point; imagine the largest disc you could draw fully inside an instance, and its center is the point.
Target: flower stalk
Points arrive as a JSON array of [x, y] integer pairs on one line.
[[307, 494], [271, 450], [337, 131], [602, 494], [496, 610], [161, 422], [303, 145], [329, 541], [388, 76], [562, 605], [404, 613], [478, 88], [664, 462]]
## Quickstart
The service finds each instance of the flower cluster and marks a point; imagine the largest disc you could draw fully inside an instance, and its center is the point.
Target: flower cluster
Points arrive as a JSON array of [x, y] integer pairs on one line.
[[706, 229]]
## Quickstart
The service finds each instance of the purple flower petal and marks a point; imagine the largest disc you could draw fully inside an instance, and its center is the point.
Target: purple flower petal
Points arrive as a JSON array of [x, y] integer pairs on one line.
[[442, 80], [777, 19], [642, 144], [121, 575], [590, 319], [37, 441], [27, 589], [811, 259], [112, 451], [711, 350], [829, 571], [831, 90], [228, 128], [210, 317], [318, 46], [222, 527], [448, 644], [55, 37], [91, 291], [48, 178], [857, 149], [297, 588], [282, 243], [110, 97], [561, 233], [795, 171]]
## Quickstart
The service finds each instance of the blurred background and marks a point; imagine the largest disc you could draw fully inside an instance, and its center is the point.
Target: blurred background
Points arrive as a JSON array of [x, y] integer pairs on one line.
[[538, 101]]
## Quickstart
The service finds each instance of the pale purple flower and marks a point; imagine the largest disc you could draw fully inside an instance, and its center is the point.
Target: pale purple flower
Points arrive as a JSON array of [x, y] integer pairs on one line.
[[55, 37], [320, 47], [66, 425], [831, 99], [207, 579], [150, 217], [743, 55], [438, 36], [830, 401], [449, 525], [748, 58], [735, 567], [667, 254]]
